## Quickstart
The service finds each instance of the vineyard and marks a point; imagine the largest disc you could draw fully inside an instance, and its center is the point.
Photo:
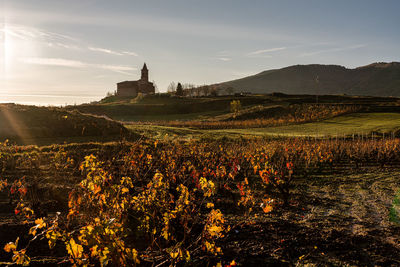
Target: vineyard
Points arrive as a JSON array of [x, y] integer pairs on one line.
[[261, 116], [217, 203], [175, 134]]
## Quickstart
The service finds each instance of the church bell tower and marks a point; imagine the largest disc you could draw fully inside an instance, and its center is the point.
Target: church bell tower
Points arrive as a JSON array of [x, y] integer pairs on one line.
[[145, 73]]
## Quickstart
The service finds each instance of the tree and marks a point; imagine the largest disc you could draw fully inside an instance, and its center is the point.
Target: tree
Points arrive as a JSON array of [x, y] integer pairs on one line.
[[188, 86], [198, 91], [156, 91], [171, 87], [188, 89], [207, 89], [235, 107], [179, 89], [230, 90], [214, 92]]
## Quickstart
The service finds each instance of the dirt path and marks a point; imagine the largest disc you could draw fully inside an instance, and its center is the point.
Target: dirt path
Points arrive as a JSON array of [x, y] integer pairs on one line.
[[361, 200]]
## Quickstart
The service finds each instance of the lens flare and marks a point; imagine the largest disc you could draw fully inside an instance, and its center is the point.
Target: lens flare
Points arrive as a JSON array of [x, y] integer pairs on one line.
[[8, 49]]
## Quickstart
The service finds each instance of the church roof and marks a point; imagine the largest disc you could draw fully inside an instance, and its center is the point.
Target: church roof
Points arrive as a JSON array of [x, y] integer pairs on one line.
[[144, 67], [127, 82]]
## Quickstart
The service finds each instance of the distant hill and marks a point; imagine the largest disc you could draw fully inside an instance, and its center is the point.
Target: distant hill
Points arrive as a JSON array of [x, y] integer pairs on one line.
[[37, 125], [377, 79]]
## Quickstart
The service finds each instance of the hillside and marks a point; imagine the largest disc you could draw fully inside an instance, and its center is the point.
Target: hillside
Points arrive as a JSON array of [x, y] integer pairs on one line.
[[169, 108], [41, 125], [165, 107], [377, 79]]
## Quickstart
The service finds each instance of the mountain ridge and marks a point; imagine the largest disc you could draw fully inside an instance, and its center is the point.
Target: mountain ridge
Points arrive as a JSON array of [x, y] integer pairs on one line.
[[376, 79]]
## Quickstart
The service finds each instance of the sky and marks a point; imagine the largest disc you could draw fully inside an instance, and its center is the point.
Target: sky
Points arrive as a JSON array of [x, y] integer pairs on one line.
[[55, 52]]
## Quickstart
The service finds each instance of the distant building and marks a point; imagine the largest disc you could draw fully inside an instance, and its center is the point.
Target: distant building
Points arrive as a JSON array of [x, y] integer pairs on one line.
[[132, 88]]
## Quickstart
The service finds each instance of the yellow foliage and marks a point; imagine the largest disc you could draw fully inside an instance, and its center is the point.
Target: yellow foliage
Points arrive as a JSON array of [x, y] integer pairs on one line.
[[104, 256], [40, 223], [267, 207], [174, 254], [210, 205], [74, 249], [125, 190], [93, 251], [21, 258], [208, 187], [215, 230], [11, 246]]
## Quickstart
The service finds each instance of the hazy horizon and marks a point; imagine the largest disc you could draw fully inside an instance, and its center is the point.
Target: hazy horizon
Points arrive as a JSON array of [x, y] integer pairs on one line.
[[57, 53]]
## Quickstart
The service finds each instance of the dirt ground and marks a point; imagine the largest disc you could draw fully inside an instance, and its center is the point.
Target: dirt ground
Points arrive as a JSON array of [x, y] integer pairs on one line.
[[333, 220]]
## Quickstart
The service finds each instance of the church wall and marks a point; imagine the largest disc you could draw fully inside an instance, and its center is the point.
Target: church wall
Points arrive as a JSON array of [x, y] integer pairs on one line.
[[127, 89], [132, 88]]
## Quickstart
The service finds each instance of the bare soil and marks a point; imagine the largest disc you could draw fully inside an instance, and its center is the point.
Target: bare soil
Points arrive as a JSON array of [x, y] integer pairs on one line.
[[333, 220]]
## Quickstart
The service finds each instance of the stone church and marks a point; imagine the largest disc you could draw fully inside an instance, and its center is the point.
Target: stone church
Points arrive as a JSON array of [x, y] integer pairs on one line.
[[132, 88]]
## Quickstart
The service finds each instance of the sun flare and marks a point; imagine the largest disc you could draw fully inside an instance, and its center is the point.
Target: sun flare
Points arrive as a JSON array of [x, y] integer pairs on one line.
[[7, 47]]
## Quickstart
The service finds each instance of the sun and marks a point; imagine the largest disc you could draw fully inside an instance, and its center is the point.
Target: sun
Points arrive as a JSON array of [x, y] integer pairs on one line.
[[8, 47], [16, 43]]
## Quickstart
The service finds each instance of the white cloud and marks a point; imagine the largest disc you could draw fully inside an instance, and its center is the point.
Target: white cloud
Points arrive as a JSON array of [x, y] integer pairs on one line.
[[258, 52], [224, 58], [156, 24], [115, 68], [337, 49], [112, 52], [28, 33], [129, 53], [104, 50], [52, 39], [66, 46], [61, 62]]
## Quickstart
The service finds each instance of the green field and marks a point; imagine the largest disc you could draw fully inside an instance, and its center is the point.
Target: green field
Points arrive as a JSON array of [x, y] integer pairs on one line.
[[346, 125], [357, 123]]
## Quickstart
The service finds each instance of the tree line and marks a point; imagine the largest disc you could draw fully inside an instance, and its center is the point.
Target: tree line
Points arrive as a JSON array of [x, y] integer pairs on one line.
[[191, 90]]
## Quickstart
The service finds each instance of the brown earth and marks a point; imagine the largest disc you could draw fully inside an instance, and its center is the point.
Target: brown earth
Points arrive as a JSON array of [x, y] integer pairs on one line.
[[333, 220]]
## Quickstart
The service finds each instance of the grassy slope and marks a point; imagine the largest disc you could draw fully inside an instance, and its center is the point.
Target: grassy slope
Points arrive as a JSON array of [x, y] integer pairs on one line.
[[358, 123], [42, 125], [165, 107], [155, 108]]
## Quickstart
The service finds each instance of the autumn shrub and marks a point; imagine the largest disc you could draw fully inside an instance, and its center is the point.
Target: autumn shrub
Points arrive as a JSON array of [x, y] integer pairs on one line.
[[108, 223]]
